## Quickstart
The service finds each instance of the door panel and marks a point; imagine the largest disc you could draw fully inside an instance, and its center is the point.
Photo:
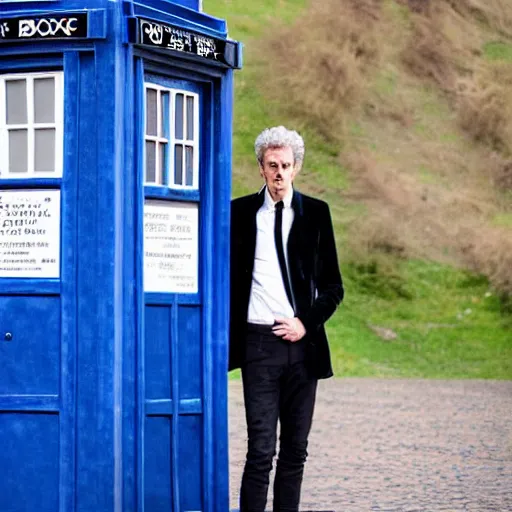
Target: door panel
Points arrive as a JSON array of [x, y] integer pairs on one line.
[[29, 458], [189, 352], [158, 352], [158, 489], [30, 361], [172, 387], [190, 461]]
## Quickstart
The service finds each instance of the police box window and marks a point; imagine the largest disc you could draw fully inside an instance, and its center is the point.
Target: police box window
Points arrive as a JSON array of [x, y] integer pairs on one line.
[[171, 137], [31, 125]]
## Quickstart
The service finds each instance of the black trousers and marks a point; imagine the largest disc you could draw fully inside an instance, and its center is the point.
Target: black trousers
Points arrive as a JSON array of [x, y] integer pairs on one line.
[[276, 386]]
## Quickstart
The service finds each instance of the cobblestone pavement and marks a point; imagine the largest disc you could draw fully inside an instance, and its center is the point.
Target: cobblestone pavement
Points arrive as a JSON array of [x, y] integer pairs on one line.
[[400, 446]]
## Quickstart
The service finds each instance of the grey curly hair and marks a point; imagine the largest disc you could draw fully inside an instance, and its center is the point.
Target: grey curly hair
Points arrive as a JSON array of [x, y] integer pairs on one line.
[[279, 137]]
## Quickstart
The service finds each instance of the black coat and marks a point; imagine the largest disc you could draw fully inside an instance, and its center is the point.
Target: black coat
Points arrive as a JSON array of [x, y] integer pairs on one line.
[[314, 272]]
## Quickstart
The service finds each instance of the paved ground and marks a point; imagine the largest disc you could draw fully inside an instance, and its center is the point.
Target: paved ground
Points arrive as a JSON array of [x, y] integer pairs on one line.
[[401, 446]]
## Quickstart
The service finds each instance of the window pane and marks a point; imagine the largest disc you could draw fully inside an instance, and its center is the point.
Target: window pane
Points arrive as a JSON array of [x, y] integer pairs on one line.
[[151, 118], [178, 132], [162, 148], [150, 162], [44, 100], [189, 178], [18, 154], [44, 159], [190, 117], [16, 97], [165, 115], [178, 165]]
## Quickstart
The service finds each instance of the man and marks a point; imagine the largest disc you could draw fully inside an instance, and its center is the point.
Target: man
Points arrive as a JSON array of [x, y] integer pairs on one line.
[[285, 283]]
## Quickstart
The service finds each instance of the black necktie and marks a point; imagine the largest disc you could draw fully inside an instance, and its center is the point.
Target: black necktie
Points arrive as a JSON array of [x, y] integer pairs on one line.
[[278, 237]]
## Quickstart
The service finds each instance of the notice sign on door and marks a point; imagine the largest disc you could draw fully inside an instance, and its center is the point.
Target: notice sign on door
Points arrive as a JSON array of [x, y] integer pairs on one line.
[[30, 233], [171, 247]]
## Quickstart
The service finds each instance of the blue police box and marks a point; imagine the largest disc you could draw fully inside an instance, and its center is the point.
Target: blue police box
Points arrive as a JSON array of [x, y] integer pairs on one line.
[[115, 162]]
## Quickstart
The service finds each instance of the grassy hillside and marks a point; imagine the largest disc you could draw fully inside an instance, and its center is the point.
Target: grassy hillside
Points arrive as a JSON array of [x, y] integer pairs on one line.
[[404, 107]]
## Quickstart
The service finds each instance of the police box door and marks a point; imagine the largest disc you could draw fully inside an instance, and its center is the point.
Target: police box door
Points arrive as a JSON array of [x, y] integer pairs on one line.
[[171, 353], [37, 305]]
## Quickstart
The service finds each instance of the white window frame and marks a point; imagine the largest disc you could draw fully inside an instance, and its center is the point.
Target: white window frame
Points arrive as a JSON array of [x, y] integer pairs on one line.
[[31, 126], [158, 138], [173, 141], [194, 143]]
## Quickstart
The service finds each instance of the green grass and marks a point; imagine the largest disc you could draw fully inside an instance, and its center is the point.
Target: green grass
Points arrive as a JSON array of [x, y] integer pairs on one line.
[[450, 326], [386, 83], [447, 323], [498, 51], [503, 219], [400, 13], [427, 176], [250, 19]]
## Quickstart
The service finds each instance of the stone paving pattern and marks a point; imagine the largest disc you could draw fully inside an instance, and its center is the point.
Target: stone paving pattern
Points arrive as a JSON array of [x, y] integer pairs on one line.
[[400, 446]]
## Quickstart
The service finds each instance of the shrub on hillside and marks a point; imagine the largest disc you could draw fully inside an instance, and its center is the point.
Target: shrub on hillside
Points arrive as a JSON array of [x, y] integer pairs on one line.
[[491, 255], [442, 43], [485, 106], [318, 65], [502, 175], [442, 49], [497, 14], [379, 277], [431, 54]]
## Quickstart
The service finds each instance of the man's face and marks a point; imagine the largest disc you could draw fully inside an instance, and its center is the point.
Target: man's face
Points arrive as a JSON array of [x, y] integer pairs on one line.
[[278, 171]]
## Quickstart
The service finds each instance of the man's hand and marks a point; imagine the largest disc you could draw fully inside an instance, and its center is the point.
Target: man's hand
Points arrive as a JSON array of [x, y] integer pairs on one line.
[[290, 329]]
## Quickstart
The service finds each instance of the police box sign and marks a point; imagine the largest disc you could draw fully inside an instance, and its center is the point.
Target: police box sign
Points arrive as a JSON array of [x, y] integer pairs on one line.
[[44, 27], [162, 35]]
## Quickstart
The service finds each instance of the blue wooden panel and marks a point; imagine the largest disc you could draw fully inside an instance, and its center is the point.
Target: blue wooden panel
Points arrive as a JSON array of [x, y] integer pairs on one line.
[[158, 352], [31, 359], [29, 458], [19, 286], [190, 463], [171, 298], [158, 489], [32, 403], [30, 182], [217, 304], [95, 264], [154, 192], [189, 351], [69, 256], [159, 407]]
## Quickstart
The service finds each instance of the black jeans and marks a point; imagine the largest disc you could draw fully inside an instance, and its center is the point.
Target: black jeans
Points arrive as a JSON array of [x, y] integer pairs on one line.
[[276, 385]]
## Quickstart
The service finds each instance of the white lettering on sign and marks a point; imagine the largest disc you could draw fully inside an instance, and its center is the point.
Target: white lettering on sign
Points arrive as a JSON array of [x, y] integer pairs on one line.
[[171, 247], [4, 28], [30, 233], [172, 38], [205, 46], [47, 27], [154, 31]]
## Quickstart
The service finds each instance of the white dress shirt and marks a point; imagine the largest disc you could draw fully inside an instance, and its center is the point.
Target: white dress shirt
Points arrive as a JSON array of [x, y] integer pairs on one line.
[[268, 299]]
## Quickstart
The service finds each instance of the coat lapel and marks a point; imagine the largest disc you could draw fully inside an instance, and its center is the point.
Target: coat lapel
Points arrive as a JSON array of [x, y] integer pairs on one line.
[[294, 238]]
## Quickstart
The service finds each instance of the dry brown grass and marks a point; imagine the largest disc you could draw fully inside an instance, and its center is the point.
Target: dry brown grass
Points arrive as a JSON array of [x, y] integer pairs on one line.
[[432, 54], [442, 44], [409, 219], [497, 14], [485, 106], [445, 42], [318, 66], [501, 173], [429, 190], [447, 217], [491, 254]]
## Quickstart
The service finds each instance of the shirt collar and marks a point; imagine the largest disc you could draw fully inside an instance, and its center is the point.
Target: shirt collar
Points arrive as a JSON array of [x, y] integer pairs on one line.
[[270, 204]]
